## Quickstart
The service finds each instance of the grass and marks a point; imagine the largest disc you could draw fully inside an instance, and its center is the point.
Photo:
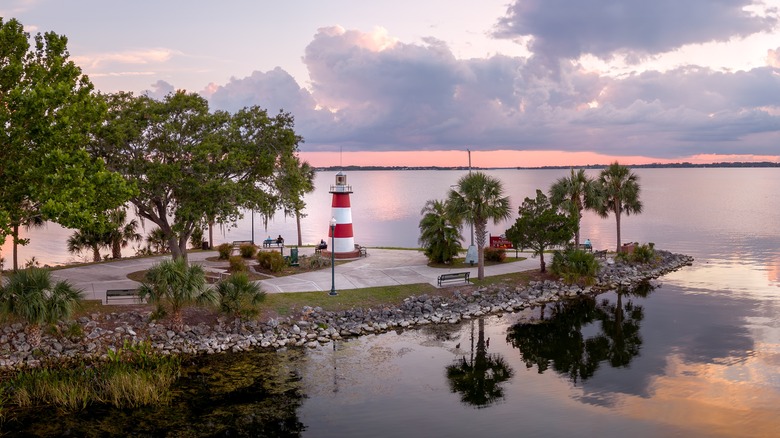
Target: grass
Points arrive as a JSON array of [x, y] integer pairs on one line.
[[288, 303]]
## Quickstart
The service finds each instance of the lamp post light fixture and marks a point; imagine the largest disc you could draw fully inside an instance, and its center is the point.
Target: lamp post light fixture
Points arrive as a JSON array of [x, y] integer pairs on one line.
[[332, 257]]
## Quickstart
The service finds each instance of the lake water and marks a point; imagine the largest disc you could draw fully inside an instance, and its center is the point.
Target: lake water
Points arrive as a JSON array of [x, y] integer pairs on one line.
[[697, 356]]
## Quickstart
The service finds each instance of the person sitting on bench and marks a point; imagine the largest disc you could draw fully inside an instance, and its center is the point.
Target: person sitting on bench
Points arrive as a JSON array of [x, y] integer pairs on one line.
[[322, 245], [280, 240]]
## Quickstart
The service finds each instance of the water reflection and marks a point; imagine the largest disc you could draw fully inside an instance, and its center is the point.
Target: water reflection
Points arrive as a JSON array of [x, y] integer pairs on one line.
[[478, 380], [560, 341]]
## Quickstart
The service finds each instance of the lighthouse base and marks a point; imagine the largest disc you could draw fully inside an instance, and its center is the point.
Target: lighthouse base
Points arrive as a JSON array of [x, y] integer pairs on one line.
[[342, 255]]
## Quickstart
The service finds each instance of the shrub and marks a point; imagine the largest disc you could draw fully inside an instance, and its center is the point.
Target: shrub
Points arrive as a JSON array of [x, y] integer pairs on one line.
[[575, 266], [495, 254], [271, 260], [196, 238], [642, 254], [237, 264], [317, 261], [247, 250], [224, 251]]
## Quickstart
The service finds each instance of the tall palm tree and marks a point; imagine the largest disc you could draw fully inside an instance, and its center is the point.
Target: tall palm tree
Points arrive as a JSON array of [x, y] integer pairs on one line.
[[122, 232], [173, 285], [617, 191], [477, 199], [82, 240], [31, 295], [238, 296], [572, 195], [439, 232]]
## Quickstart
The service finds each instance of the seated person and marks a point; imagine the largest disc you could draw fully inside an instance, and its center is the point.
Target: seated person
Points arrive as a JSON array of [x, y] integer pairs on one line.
[[322, 245], [280, 240], [588, 245]]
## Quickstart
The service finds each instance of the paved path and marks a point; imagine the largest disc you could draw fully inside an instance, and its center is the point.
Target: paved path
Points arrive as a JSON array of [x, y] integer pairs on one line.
[[382, 267]]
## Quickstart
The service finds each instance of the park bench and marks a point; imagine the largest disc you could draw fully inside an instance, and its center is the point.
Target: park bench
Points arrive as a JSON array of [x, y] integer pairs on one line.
[[601, 254], [120, 294], [362, 252], [267, 243], [453, 276], [238, 243]]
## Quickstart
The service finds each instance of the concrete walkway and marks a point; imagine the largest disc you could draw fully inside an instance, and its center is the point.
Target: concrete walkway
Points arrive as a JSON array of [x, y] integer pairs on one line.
[[382, 267]]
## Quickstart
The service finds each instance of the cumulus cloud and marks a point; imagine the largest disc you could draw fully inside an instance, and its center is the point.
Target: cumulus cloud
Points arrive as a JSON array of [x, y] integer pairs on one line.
[[369, 91], [629, 28], [773, 58], [159, 90]]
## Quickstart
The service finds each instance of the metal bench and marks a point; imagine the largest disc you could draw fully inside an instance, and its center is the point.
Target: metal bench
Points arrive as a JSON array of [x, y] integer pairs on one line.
[[453, 276], [268, 244], [120, 294]]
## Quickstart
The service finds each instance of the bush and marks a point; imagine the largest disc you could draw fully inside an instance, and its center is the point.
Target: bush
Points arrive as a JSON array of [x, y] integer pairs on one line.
[[317, 261], [495, 254], [575, 266], [247, 250], [237, 264], [224, 251], [196, 238], [271, 260], [642, 254]]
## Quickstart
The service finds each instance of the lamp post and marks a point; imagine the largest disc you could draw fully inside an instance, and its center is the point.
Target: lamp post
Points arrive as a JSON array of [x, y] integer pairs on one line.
[[332, 257]]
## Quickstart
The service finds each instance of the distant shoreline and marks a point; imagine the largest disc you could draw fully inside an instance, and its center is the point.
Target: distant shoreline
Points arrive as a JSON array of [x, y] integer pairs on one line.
[[684, 165]]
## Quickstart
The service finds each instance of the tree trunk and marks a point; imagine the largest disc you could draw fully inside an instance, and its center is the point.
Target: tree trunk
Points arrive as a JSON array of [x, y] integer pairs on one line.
[[481, 232], [15, 237], [211, 234], [577, 231], [542, 264], [177, 320], [178, 249], [96, 253], [298, 222], [617, 221], [34, 334], [116, 248]]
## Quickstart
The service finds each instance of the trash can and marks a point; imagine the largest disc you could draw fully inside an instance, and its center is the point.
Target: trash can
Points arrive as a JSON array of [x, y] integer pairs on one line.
[[294, 256]]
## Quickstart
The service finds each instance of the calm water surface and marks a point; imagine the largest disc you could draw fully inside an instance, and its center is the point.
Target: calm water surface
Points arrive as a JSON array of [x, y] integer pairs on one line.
[[697, 356]]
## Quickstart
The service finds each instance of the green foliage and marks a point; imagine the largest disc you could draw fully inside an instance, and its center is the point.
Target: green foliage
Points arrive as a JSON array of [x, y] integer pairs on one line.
[[572, 195], [617, 191], [173, 285], [540, 226], [31, 295], [644, 253], [238, 296], [133, 376], [247, 250], [316, 261], [575, 266], [196, 239], [439, 232], [195, 165], [271, 260], [237, 264], [48, 115], [479, 198], [224, 251], [495, 254]]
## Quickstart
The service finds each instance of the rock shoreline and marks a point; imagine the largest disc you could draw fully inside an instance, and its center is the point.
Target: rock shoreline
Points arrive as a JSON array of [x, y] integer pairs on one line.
[[314, 326]]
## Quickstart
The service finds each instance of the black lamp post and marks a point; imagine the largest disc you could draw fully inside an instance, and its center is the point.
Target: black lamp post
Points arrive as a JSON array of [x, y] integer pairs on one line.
[[333, 257]]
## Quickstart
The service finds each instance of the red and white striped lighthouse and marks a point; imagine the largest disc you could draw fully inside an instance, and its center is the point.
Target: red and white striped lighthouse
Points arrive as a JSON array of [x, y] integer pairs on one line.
[[342, 237]]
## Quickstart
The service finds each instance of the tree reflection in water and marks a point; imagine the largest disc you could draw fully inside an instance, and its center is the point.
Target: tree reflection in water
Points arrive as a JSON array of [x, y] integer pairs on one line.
[[478, 379], [559, 341]]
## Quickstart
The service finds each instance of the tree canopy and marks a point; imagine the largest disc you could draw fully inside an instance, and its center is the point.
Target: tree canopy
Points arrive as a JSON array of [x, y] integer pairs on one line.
[[48, 113], [572, 195], [540, 226], [617, 191], [191, 165]]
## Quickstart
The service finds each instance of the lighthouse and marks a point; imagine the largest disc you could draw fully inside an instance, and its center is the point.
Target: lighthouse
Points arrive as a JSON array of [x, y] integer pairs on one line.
[[341, 210]]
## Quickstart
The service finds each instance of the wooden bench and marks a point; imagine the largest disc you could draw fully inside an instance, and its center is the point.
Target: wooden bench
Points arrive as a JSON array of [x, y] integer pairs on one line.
[[453, 276], [119, 294], [238, 243], [601, 254], [269, 243]]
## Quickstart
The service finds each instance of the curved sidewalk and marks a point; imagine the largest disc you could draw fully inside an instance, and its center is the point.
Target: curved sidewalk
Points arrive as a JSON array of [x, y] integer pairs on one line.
[[382, 267]]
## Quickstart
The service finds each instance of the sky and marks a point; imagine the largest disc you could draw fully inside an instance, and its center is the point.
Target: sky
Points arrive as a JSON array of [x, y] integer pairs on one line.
[[405, 83]]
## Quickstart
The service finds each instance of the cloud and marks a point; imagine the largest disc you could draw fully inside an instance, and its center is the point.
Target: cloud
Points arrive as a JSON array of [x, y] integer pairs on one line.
[[137, 57], [632, 29], [773, 58], [159, 90], [369, 91]]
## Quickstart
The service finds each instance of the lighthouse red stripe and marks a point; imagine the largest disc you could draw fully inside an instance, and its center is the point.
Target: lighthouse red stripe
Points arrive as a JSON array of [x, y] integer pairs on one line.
[[342, 230], [340, 200]]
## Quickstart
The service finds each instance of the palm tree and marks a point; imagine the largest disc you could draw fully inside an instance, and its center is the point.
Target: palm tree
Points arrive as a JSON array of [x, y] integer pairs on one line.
[[173, 285], [479, 198], [31, 295], [238, 296], [617, 191], [157, 242], [572, 195], [82, 240], [122, 232], [439, 233]]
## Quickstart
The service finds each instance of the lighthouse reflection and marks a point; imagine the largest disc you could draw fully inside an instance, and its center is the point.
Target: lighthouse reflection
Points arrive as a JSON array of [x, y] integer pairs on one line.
[[559, 342]]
